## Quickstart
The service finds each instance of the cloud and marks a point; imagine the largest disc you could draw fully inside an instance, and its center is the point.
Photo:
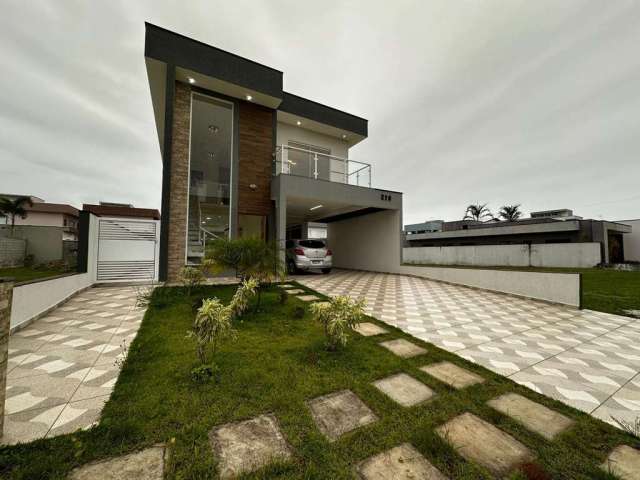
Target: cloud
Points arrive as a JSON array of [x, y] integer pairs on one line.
[[501, 102]]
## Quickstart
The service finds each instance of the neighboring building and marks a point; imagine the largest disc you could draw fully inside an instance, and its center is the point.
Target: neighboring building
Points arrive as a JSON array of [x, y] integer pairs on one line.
[[549, 227], [44, 214], [631, 241], [242, 157], [424, 227]]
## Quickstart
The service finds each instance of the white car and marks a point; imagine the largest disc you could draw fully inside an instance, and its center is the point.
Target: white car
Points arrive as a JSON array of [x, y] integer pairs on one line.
[[308, 255]]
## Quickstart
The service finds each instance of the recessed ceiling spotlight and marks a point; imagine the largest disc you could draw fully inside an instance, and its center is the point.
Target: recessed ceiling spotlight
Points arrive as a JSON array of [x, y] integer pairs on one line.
[[192, 80], [249, 98], [315, 208], [298, 123]]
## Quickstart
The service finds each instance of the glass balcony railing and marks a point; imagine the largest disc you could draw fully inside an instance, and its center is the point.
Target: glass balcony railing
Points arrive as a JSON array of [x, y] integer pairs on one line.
[[296, 161]]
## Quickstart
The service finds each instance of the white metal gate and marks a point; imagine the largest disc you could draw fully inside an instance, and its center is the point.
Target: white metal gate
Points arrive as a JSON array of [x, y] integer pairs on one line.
[[127, 250]]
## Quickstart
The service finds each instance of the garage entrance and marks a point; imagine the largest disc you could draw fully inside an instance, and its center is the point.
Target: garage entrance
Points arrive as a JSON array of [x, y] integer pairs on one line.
[[127, 250], [363, 225]]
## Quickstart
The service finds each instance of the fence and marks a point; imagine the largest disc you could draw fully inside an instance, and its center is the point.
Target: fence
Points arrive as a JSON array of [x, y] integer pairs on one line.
[[568, 255], [12, 252]]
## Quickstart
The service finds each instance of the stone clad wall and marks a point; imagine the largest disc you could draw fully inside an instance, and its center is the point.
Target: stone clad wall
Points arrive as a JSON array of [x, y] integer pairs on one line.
[[5, 317], [12, 252]]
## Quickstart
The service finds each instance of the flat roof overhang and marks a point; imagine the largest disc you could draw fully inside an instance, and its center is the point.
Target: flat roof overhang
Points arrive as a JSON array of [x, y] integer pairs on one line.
[[566, 226], [339, 200], [228, 74]]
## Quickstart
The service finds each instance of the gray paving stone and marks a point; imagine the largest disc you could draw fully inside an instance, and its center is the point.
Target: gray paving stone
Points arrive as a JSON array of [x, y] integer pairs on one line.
[[400, 463], [452, 374], [308, 298], [404, 389], [369, 329], [340, 412], [624, 461], [479, 441], [246, 446], [146, 464], [403, 348], [295, 291], [532, 415]]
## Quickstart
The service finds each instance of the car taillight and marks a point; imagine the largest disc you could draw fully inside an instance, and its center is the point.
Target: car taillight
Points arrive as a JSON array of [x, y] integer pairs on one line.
[[329, 252], [298, 251]]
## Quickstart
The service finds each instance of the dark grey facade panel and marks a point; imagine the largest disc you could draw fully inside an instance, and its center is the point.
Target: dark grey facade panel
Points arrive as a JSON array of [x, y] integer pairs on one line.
[[181, 51], [296, 105]]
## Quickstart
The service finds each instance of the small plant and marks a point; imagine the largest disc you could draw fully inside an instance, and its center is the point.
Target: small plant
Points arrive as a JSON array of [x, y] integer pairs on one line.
[[203, 373], [211, 326], [338, 317], [124, 351], [240, 301], [632, 427], [144, 294], [191, 277]]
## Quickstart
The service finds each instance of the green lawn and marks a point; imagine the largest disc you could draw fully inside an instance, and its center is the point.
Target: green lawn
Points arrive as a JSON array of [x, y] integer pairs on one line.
[[276, 364], [24, 274], [604, 290]]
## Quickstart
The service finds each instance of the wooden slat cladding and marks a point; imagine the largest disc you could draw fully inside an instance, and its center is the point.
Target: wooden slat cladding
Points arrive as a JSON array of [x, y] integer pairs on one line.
[[255, 159]]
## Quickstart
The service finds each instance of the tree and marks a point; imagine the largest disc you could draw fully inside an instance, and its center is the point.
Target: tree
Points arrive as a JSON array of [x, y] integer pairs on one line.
[[477, 212], [249, 257], [510, 213], [15, 208]]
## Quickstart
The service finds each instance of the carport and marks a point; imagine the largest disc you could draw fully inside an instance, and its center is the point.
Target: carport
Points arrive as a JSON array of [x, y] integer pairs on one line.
[[364, 224]]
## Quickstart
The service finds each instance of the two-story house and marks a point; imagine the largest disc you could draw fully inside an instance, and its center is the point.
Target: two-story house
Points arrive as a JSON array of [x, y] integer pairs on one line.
[[242, 157]]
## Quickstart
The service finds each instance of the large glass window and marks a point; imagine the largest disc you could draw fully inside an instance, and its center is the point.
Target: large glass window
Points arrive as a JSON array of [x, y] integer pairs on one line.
[[209, 173]]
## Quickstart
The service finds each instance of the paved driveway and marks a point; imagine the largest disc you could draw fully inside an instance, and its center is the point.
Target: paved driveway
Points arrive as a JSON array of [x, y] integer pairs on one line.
[[62, 367], [589, 360]]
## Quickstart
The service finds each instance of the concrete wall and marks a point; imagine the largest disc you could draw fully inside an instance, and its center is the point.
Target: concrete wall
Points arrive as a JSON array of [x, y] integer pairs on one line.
[[36, 298], [570, 255], [44, 243], [632, 241], [368, 242], [563, 288], [12, 252]]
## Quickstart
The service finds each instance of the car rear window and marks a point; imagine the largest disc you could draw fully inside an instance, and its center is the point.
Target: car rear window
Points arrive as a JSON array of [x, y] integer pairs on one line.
[[312, 243]]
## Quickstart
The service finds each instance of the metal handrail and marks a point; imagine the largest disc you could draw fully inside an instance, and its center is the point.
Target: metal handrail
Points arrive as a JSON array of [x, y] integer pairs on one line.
[[286, 163]]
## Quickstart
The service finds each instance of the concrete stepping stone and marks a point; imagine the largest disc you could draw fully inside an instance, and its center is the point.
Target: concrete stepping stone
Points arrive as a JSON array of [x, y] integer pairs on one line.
[[368, 329], [146, 464], [246, 446], [403, 348], [340, 412], [307, 298], [453, 375], [479, 441], [532, 415], [623, 461], [404, 389], [295, 291], [400, 463]]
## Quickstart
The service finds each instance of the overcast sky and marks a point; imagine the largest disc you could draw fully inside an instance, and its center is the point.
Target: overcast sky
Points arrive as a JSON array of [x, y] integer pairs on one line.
[[497, 101]]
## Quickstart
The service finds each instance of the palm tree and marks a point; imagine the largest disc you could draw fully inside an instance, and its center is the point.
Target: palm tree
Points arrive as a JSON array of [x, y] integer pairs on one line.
[[15, 208], [510, 213], [477, 212]]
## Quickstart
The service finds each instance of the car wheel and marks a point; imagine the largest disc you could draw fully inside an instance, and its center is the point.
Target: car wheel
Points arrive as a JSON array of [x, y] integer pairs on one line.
[[326, 270]]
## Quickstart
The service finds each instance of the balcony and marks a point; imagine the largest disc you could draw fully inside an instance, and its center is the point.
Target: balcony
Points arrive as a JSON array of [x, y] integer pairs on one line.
[[299, 162]]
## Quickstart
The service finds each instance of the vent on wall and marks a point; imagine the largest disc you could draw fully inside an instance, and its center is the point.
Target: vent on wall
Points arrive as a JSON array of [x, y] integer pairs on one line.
[[126, 270], [124, 230]]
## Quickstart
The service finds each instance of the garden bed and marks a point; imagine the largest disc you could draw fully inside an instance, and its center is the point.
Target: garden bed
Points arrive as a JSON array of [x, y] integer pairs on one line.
[[277, 364]]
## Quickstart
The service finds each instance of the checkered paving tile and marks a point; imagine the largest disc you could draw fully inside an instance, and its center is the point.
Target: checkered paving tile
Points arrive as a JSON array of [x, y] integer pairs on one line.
[[62, 368], [589, 360]]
